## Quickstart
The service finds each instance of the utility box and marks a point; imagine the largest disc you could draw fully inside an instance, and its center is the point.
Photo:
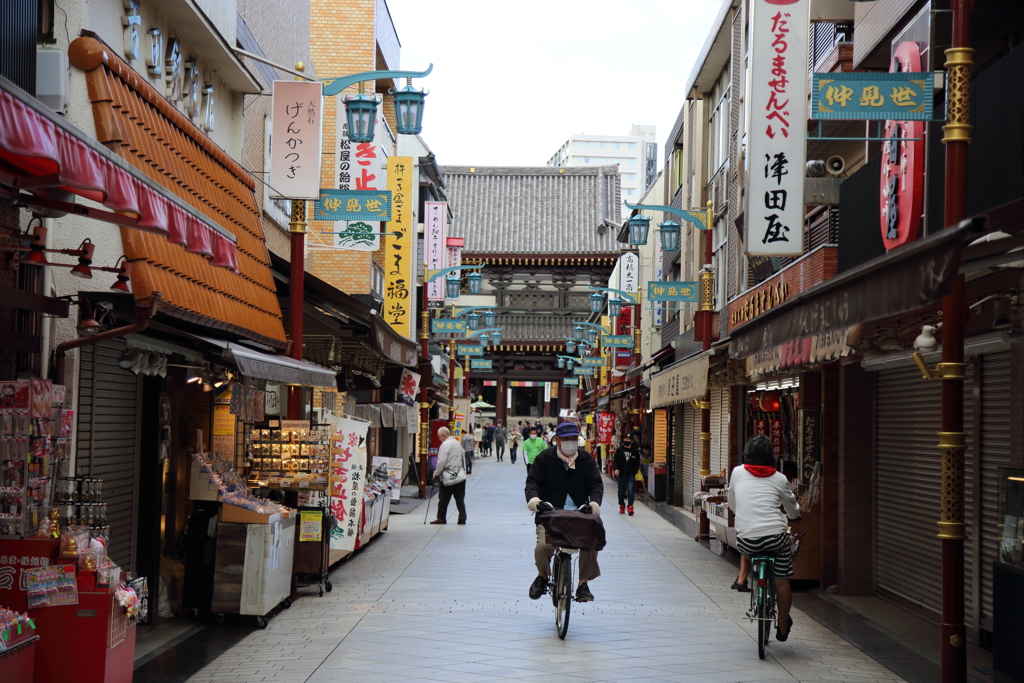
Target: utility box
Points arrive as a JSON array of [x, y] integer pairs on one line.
[[53, 79]]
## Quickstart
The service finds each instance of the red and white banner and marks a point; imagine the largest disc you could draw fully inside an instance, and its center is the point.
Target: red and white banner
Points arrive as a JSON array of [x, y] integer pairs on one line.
[[605, 427], [435, 226], [778, 99], [348, 474]]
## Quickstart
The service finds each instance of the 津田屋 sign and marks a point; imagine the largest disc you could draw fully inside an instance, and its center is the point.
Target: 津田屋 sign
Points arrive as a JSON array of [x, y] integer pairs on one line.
[[778, 75], [672, 291], [295, 139], [681, 383], [352, 205]]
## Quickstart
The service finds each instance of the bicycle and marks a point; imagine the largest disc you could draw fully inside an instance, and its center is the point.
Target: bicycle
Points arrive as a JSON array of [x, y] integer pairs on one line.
[[561, 577], [762, 597]]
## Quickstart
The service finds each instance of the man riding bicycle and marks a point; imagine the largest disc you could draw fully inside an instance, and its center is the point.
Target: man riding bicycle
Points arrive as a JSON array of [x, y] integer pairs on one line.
[[756, 492], [567, 477]]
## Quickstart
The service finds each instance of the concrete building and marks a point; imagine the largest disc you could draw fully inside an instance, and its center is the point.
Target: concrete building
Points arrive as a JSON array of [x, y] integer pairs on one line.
[[635, 154]]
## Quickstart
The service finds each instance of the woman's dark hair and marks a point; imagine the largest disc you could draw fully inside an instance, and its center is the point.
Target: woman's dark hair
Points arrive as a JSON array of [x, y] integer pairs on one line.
[[759, 451]]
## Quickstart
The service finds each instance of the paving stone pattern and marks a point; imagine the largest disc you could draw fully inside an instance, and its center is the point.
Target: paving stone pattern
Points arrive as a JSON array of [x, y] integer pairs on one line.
[[448, 603]]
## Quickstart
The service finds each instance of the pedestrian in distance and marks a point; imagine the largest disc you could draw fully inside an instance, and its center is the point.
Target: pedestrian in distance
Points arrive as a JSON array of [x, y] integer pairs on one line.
[[467, 448], [532, 448], [478, 439], [500, 436], [625, 465], [488, 441], [565, 476], [513, 445], [451, 475]]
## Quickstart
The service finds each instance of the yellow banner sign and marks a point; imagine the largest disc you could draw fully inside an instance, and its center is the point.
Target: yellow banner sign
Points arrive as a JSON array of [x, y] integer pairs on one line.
[[400, 251]]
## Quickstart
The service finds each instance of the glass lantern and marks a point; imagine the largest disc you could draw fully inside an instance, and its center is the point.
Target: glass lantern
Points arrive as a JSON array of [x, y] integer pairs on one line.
[[474, 320], [453, 285], [409, 109], [592, 336], [569, 363], [484, 339], [596, 302], [475, 281], [561, 362], [639, 225], [614, 307], [496, 337], [670, 235], [570, 346], [361, 112], [577, 331], [488, 318]]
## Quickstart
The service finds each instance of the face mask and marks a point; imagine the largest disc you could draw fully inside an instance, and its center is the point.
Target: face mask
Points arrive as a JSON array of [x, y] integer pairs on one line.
[[533, 436], [568, 447]]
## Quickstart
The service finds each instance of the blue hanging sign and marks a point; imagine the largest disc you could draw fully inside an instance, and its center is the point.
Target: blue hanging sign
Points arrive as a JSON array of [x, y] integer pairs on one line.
[[672, 291], [469, 350], [617, 340], [447, 325], [899, 96], [588, 361], [589, 372], [480, 364], [571, 382], [352, 205]]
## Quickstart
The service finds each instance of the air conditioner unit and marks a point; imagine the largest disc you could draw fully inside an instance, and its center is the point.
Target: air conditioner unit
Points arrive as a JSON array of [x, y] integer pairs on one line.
[[53, 79]]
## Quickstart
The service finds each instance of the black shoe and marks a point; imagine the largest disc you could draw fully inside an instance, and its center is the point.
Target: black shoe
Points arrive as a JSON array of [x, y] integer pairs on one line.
[[538, 588], [583, 594], [789, 629], [741, 587], [462, 522], [439, 521]]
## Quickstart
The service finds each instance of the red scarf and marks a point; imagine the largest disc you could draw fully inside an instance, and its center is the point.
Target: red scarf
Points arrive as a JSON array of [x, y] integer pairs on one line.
[[760, 470]]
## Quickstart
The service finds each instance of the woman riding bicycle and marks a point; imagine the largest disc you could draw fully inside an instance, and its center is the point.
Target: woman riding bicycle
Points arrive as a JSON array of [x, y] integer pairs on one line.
[[756, 492], [566, 476]]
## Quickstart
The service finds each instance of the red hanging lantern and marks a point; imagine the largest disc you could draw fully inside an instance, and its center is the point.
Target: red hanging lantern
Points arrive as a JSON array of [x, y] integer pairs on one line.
[[769, 402]]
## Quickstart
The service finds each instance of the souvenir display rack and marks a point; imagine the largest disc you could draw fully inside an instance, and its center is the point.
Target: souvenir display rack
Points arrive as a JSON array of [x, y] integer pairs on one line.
[[288, 454]]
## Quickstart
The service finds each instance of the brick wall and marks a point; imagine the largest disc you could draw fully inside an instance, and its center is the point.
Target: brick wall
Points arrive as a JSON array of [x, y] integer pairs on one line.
[[830, 511], [856, 522]]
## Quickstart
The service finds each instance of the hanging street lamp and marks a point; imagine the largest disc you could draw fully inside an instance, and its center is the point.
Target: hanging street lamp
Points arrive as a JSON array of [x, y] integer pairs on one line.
[[474, 320], [570, 346], [596, 302], [488, 318], [568, 364], [475, 281], [577, 331], [592, 336], [561, 362], [484, 338], [614, 307], [453, 285], [361, 113], [409, 108], [639, 225], [670, 235], [496, 338]]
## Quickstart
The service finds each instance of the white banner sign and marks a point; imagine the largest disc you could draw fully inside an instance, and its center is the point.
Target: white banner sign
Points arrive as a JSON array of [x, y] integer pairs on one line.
[[778, 76], [681, 383], [629, 272], [348, 475], [295, 139], [359, 166], [435, 226]]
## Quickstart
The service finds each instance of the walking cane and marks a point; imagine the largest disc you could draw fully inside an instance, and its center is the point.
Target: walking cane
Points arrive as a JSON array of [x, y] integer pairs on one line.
[[433, 483]]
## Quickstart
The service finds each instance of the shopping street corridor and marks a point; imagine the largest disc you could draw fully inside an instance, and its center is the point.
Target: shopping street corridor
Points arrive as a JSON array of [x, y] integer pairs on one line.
[[449, 603]]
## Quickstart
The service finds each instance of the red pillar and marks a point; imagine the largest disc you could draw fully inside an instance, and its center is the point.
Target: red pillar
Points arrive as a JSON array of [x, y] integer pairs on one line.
[[297, 294]]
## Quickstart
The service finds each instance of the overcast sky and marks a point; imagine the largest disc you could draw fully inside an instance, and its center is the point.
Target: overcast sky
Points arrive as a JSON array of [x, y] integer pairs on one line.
[[512, 81]]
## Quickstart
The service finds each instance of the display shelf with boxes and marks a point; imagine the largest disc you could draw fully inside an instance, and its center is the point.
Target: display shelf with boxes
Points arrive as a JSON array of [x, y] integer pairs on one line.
[[287, 454]]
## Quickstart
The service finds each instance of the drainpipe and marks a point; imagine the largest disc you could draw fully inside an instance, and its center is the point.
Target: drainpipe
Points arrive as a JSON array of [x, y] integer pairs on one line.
[[143, 315], [44, 332]]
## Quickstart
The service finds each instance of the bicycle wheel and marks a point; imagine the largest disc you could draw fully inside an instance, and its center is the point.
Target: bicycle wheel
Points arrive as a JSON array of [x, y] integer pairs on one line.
[[563, 586], [553, 584]]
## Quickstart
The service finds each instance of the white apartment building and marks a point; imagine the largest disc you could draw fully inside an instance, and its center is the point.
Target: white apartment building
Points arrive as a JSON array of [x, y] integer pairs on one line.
[[636, 155]]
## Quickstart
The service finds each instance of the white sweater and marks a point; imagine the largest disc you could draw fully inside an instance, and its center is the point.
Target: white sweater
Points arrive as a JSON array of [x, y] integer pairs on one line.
[[755, 501]]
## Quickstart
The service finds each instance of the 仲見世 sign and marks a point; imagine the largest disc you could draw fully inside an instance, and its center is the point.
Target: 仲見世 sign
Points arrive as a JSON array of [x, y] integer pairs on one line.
[[672, 291], [352, 205], [899, 96], [571, 381], [591, 362], [447, 325], [588, 372], [480, 364], [469, 350], [778, 75], [617, 340]]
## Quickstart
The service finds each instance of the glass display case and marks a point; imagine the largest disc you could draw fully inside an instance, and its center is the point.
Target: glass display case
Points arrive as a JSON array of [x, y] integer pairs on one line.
[[1010, 531]]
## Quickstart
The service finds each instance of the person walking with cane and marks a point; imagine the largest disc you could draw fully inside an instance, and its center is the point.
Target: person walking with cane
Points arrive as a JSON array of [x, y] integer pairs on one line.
[[451, 472]]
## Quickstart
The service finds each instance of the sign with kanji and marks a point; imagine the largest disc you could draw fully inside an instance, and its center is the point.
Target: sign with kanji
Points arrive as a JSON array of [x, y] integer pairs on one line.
[[672, 291], [605, 427], [778, 93], [448, 325], [899, 96], [295, 152], [629, 272], [571, 381], [347, 478], [435, 232], [775, 434], [359, 166], [400, 250], [352, 205], [480, 364], [469, 350], [624, 341], [588, 372], [591, 362]]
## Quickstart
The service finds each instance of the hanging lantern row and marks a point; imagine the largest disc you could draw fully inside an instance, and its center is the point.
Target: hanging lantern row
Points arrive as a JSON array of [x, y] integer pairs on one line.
[[361, 112]]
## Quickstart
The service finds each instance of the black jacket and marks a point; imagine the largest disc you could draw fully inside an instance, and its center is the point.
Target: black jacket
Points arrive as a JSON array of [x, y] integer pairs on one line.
[[550, 481], [627, 461]]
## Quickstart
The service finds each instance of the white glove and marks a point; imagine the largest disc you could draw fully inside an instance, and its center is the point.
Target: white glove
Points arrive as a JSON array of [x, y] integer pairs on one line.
[[595, 509], [534, 502]]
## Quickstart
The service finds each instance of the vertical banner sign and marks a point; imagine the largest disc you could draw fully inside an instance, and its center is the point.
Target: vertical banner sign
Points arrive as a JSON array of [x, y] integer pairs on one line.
[[398, 309], [778, 76], [547, 392], [358, 166], [629, 273], [605, 427], [760, 427], [775, 429], [348, 475], [629, 281], [435, 223], [295, 139]]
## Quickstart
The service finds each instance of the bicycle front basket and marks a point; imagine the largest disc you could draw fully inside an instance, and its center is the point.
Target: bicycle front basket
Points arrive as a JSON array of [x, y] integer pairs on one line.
[[573, 529]]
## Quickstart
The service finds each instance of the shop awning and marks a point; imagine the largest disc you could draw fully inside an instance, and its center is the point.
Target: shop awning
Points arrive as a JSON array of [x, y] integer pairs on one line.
[[681, 382], [267, 366], [47, 161], [660, 356], [903, 280], [392, 345], [135, 120]]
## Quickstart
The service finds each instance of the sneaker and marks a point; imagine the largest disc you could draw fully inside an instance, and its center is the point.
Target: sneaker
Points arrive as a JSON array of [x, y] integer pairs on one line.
[[439, 521], [622, 509], [583, 594], [538, 588], [630, 509]]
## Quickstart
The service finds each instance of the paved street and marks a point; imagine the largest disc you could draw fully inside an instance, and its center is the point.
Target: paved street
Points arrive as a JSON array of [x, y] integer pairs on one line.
[[448, 603]]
